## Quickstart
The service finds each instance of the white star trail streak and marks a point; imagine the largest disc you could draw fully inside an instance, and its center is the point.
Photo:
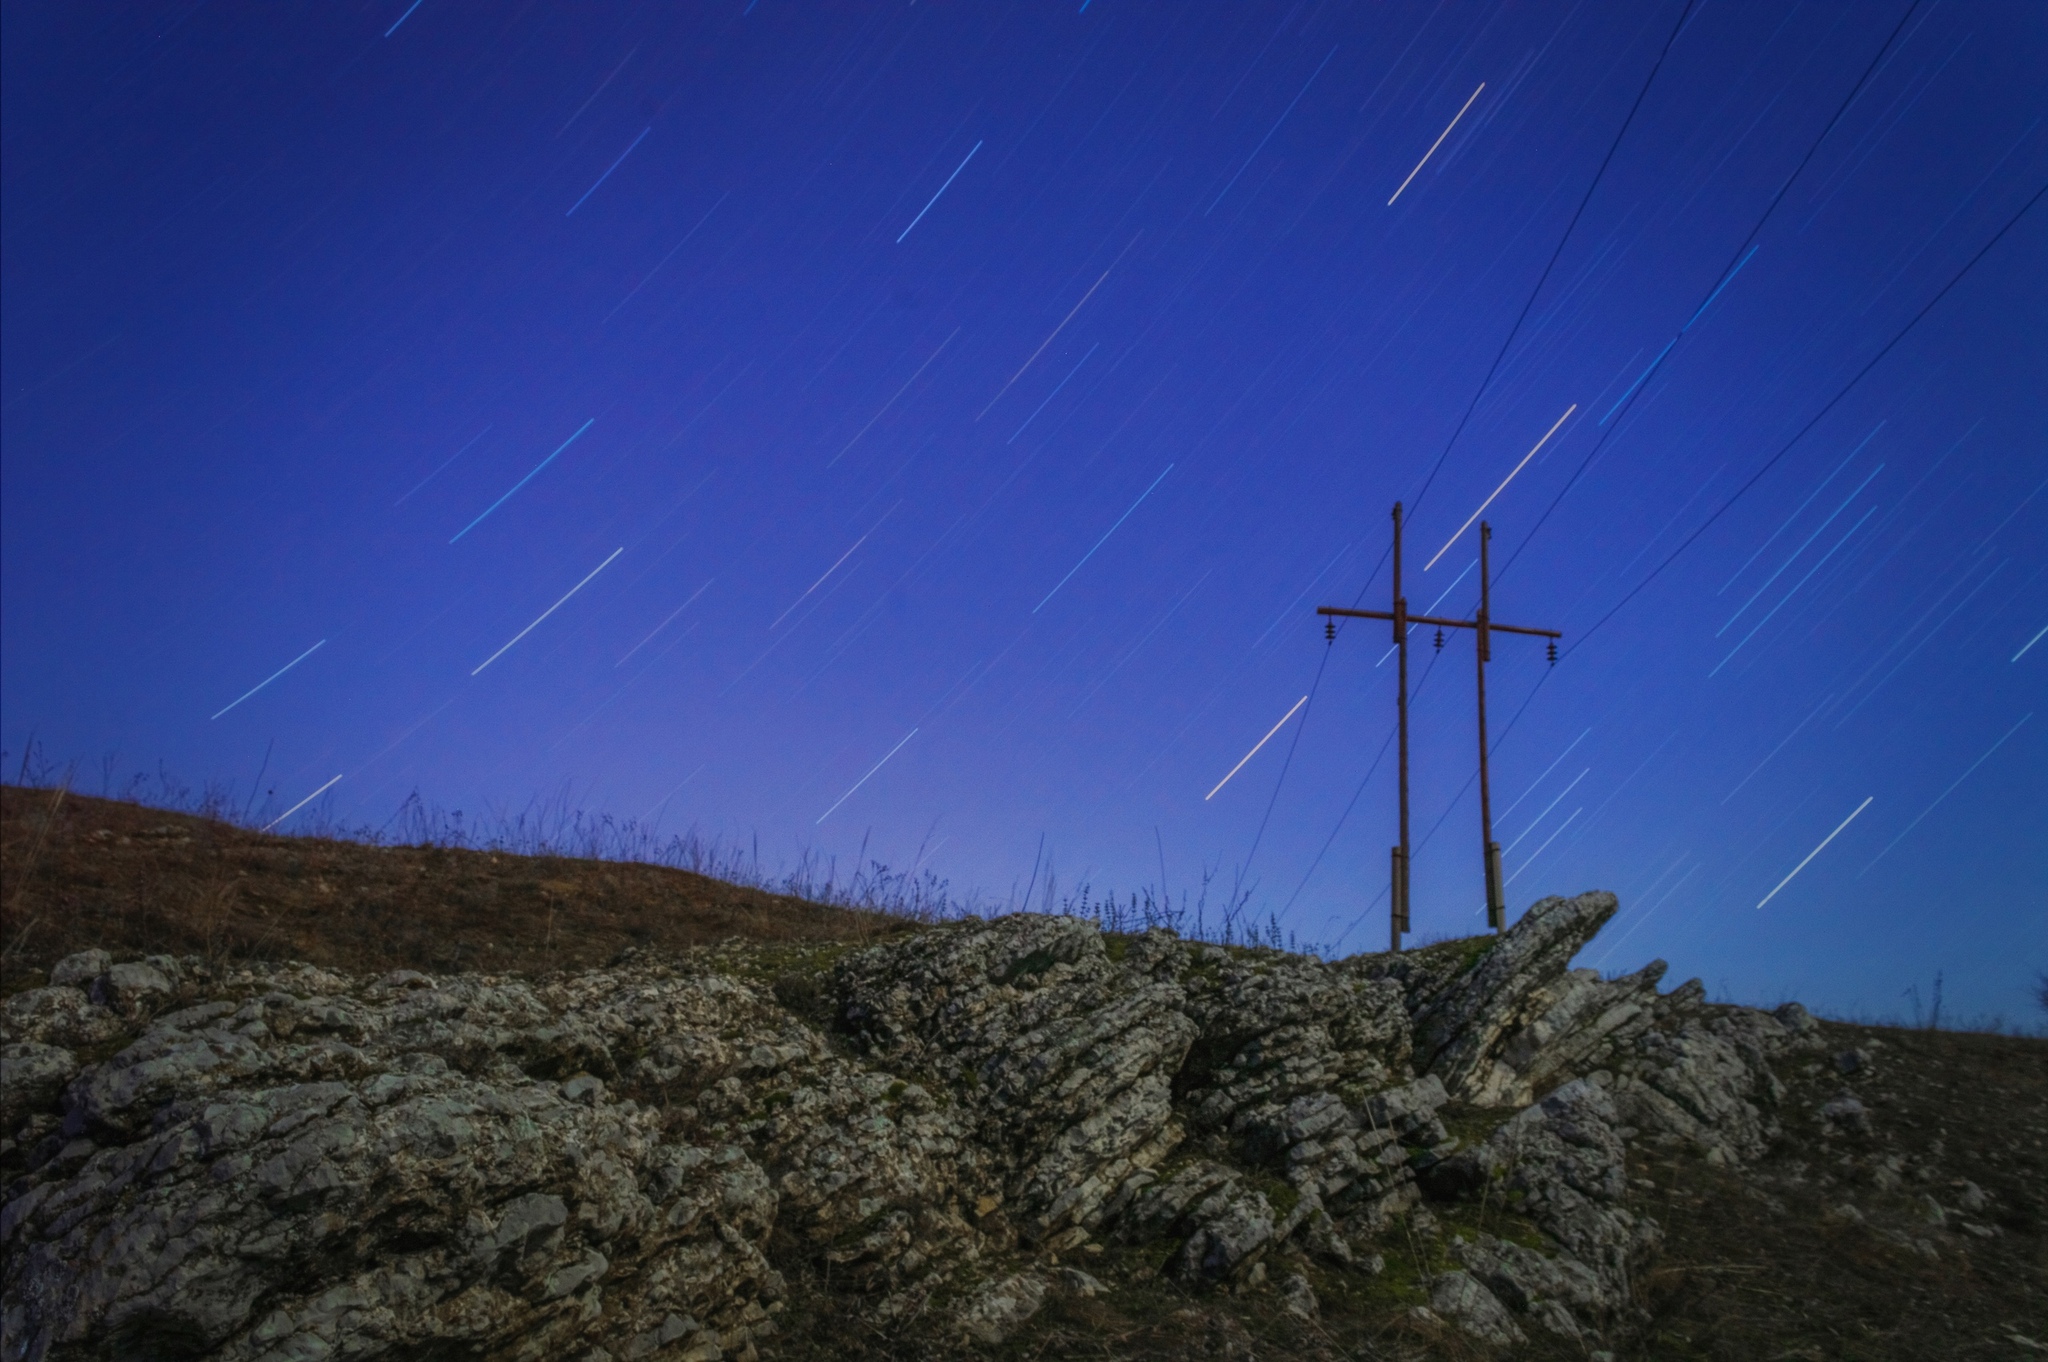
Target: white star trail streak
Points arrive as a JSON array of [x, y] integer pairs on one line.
[[942, 189], [1825, 702], [1546, 770], [821, 580], [1056, 330], [303, 802], [1104, 540], [1815, 852], [663, 625], [549, 611], [438, 471], [608, 171], [387, 33], [1820, 563], [1255, 748], [1545, 847], [523, 481], [891, 402], [598, 91], [665, 259], [1503, 485], [1944, 794], [1051, 395], [1801, 507], [864, 779], [268, 679], [1283, 118], [1794, 556], [1434, 145]]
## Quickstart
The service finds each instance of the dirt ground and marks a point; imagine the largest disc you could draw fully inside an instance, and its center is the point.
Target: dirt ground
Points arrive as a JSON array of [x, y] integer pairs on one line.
[[1873, 1244], [1920, 1232]]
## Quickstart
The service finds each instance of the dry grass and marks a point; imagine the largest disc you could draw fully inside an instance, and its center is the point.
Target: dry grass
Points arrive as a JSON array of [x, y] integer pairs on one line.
[[1767, 1265], [79, 872]]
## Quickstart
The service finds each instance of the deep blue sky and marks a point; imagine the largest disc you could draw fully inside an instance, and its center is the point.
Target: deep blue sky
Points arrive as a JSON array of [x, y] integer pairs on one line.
[[293, 295]]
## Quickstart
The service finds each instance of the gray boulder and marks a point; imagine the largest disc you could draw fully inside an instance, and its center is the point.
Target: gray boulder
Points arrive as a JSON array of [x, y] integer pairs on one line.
[[1563, 1163], [1458, 1297], [81, 968], [31, 1076], [993, 1313], [1555, 1289], [1510, 998], [1225, 1224]]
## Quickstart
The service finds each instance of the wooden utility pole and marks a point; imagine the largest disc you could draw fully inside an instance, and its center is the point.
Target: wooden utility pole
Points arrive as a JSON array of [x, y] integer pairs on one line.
[[1397, 891], [1483, 629], [1496, 892]]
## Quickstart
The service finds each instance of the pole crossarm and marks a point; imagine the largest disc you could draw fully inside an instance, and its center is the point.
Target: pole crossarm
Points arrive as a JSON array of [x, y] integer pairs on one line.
[[1483, 628], [1432, 619]]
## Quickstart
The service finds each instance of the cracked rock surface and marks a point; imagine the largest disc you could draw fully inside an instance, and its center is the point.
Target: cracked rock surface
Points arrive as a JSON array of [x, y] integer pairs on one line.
[[278, 1162]]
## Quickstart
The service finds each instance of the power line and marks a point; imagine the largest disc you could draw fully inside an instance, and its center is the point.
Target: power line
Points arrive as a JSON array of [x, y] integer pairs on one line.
[[1310, 706], [1544, 278], [1480, 392], [1343, 817], [1832, 402], [1736, 260]]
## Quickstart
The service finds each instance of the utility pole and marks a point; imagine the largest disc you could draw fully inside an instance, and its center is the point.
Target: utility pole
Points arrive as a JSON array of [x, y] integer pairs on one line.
[[1483, 629], [1496, 892], [1397, 892]]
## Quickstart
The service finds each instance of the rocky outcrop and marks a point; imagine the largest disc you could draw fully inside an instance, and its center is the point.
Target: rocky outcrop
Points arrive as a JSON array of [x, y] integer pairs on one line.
[[1065, 1057], [1520, 1019], [309, 1167], [637, 1162]]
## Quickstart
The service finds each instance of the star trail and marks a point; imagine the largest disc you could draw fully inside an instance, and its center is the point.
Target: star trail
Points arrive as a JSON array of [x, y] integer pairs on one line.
[[1023, 377]]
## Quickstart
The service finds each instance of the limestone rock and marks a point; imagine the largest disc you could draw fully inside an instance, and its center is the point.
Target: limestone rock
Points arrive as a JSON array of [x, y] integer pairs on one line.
[[31, 1076], [1462, 1032], [278, 1161], [1080, 1283], [1067, 1058], [318, 1172], [81, 968], [135, 987], [1700, 1086], [59, 1015], [1846, 1112], [1225, 1223], [1298, 1298], [993, 1313], [1277, 1027], [1456, 1296], [1531, 1282]]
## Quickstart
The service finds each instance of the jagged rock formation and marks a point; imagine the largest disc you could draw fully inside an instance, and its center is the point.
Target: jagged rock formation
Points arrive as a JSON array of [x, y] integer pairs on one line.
[[281, 1163]]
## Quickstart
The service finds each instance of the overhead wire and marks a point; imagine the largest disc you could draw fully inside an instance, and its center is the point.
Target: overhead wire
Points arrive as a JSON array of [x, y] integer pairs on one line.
[[1472, 406], [1736, 259], [1551, 264], [1732, 499], [1801, 434]]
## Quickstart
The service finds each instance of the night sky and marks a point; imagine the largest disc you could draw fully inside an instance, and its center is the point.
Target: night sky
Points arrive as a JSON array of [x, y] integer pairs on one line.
[[931, 427]]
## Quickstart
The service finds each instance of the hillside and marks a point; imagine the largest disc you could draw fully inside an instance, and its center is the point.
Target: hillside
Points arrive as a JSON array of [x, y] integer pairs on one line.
[[268, 1097], [83, 872]]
